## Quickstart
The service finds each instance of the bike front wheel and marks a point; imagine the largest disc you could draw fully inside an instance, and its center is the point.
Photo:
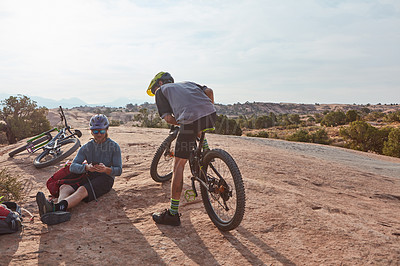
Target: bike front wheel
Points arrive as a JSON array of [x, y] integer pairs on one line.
[[162, 164], [224, 197], [51, 156]]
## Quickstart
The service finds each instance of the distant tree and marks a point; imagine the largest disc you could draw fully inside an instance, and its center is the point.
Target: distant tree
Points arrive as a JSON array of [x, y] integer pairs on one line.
[[321, 137], [318, 117], [393, 117], [130, 106], [149, 119], [392, 145], [333, 119], [227, 126], [362, 136], [22, 118], [365, 110], [263, 122], [352, 116], [294, 119]]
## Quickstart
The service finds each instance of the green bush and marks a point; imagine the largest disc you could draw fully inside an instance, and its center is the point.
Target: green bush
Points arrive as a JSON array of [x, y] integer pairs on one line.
[[333, 119], [22, 118], [320, 136], [150, 118], [362, 136], [227, 126], [393, 117], [392, 145], [10, 187], [260, 134], [300, 135], [352, 115], [115, 123]]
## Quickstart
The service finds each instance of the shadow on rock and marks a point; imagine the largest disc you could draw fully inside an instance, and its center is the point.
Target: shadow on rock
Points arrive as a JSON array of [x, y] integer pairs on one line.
[[99, 233]]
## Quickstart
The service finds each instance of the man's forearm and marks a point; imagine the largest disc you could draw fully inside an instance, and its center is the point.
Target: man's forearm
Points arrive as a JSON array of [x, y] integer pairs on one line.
[[171, 120]]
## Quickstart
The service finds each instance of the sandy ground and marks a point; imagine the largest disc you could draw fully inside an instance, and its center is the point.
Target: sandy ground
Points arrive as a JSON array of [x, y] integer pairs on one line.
[[306, 205]]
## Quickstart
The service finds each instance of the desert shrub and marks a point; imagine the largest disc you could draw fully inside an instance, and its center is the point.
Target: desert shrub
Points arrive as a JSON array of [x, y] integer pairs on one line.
[[320, 136], [294, 118], [300, 135], [393, 117], [22, 118], [10, 187], [362, 136], [3, 138], [318, 117], [374, 116], [263, 122], [352, 115], [227, 126], [259, 134], [333, 119], [115, 123], [392, 145], [150, 118]]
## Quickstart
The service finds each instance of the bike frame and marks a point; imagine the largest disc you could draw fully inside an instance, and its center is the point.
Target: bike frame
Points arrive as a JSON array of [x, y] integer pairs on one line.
[[32, 148], [52, 142], [195, 162]]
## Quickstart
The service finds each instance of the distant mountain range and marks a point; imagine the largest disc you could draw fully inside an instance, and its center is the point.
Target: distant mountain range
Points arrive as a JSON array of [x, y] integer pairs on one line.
[[73, 102]]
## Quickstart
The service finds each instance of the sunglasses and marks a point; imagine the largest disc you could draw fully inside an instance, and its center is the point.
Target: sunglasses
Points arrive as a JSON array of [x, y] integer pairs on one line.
[[103, 131]]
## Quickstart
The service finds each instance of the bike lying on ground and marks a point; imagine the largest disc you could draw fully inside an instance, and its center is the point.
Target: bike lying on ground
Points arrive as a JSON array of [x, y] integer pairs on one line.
[[56, 148], [220, 180]]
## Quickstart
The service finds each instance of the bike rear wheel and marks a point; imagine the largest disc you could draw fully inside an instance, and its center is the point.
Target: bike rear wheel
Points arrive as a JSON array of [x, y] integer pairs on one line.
[[33, 143], [51, 156], [162, 164], [224, 198]]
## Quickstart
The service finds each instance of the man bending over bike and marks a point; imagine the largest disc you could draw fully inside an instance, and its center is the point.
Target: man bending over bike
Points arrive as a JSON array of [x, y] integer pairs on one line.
[[191, 106], [101, 159]]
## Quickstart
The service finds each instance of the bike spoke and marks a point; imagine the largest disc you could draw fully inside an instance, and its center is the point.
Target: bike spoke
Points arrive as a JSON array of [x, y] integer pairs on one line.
[[221, 181]]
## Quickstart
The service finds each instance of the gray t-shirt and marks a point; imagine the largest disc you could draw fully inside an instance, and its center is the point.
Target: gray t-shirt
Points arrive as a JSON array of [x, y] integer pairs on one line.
[[187, 101]]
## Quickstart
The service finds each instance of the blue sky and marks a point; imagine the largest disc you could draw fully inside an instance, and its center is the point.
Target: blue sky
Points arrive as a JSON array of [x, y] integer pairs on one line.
[[305, 51]]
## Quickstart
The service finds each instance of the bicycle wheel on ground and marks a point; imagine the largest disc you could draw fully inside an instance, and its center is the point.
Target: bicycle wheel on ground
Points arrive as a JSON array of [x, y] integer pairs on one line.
[[224, 198], [162, 164], [33, 143], [51, 156]]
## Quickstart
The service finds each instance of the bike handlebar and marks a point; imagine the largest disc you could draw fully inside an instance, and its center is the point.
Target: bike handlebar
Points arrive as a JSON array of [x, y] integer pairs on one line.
[[63, 118]]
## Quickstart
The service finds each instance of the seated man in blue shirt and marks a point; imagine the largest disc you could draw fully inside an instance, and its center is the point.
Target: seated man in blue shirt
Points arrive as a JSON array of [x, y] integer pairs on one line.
[[101, 159]]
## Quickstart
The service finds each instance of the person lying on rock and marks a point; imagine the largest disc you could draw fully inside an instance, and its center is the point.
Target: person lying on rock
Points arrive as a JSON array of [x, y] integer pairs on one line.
[[100, 158], [191, 106]]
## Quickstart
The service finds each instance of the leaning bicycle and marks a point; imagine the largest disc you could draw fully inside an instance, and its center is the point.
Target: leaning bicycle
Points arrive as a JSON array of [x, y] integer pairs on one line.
[[54, 149], [221, 184]]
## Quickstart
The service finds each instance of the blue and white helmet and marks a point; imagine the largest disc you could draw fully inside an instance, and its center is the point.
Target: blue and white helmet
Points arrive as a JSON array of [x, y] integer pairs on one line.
[[99, 122]]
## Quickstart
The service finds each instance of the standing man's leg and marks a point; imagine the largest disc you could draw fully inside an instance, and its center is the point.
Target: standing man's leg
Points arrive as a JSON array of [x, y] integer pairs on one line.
[[177, 184]]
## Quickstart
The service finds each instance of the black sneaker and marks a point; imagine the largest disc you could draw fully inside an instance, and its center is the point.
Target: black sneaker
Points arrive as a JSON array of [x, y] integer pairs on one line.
[[44, 205], [57, 217], [165, 217]]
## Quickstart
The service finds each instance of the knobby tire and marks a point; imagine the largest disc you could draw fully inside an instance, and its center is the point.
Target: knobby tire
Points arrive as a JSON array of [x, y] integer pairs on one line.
[[155, 163], [57, 158], [237, 190]]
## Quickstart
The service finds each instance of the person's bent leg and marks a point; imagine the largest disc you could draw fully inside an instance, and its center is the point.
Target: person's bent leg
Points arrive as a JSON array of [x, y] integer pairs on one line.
[[76, 197], [65, 191]]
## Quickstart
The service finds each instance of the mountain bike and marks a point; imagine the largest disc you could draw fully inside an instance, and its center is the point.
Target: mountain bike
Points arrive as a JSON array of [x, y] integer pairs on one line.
[[56, 148], [221, 184]]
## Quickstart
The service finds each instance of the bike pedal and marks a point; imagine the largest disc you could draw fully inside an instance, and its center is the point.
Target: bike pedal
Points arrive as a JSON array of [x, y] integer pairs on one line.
[[190, 195]]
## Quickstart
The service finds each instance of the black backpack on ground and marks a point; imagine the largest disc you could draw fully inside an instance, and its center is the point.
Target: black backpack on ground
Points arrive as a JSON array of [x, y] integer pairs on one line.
[[10, 218]]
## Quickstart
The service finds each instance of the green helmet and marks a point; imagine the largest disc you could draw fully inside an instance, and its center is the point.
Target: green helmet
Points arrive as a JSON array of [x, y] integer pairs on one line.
[[163, 76]]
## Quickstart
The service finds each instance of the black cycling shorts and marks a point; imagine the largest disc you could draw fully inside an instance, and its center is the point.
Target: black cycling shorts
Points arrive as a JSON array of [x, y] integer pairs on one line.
[[188, 133], [99, 185]]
